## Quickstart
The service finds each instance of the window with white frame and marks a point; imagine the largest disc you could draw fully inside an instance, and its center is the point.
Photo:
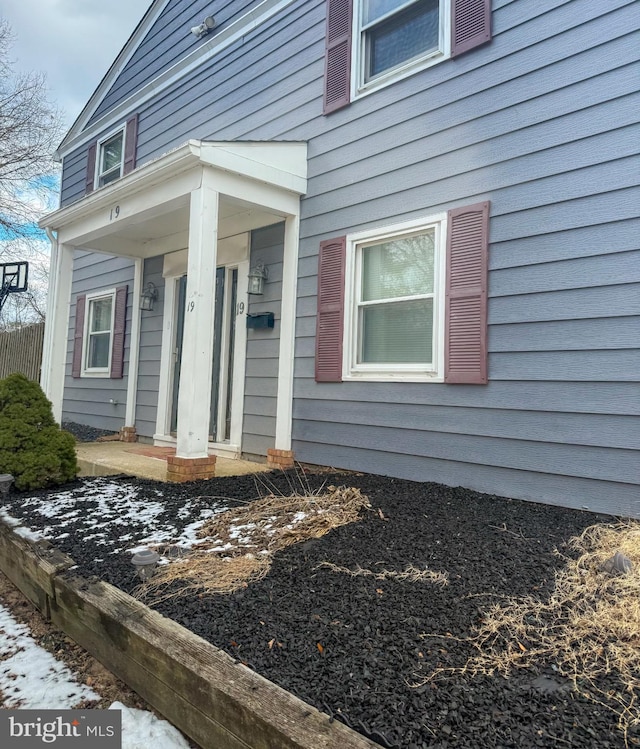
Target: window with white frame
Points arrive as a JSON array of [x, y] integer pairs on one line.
[[394, 37], [110, 158], [395, 324], [99, 322]]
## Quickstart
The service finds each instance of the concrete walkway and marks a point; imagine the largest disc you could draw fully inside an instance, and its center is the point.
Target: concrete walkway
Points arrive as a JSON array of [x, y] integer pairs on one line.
[[145, 461]]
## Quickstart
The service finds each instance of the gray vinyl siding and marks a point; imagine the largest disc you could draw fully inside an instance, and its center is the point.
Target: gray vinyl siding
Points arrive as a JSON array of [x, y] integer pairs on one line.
[[261, 378], [543, 123], [150, 348], [167, 42], [87, 400]]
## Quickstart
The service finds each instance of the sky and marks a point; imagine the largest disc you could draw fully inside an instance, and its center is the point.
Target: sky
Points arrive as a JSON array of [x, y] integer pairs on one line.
[[73, 41]]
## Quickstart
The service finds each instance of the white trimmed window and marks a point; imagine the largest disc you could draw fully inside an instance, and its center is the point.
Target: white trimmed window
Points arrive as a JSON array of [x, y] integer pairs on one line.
[[98, 337], [370, 43], [394, 38], [394, 310], [110, 162], [113, 156]]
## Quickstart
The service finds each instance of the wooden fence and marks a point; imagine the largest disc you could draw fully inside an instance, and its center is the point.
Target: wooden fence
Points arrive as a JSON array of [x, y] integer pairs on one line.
[[21, 351]]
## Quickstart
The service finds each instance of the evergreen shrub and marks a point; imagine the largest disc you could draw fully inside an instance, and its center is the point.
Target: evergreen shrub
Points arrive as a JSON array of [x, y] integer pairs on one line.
[[33, 448]]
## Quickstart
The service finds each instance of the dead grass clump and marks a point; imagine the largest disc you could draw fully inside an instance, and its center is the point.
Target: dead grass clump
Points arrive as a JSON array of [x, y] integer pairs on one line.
[[589, 627], [410, 574], [200, 572], [275, 522], [237, 546]]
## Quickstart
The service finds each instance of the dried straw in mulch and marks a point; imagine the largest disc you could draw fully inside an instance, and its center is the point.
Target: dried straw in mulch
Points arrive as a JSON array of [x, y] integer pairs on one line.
[[589, 627], [238, 545], [410, 574]]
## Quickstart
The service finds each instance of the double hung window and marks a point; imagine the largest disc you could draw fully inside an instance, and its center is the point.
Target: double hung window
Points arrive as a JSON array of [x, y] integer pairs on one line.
[[395, 328], [372, 43], [99, 333], [397, 33], [111, 159]]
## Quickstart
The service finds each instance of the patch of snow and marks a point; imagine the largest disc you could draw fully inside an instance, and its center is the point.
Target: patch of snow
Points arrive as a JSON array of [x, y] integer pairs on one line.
[[30, 677], [8, 519], [27, 533], [18, 529], [142, 730]]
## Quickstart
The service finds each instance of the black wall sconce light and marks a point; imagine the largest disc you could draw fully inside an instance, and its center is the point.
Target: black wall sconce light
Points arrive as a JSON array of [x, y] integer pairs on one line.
[[257, 276], [148, 296]]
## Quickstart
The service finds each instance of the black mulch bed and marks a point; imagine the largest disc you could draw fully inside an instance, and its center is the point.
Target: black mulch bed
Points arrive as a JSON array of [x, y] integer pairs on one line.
[[352, 645], [84, 433]]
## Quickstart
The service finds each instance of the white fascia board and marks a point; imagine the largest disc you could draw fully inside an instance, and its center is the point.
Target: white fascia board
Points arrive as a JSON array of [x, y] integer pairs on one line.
[[127, 52], [282, 164], [160, 169], [242, 170], [245, 24]]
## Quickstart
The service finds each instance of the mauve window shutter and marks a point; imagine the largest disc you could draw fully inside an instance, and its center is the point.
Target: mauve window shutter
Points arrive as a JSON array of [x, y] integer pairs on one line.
[[130, 144], [470, 24], [78, 336], [91, 168], [337, 61], [330, 321], [119, 321], [466, 295]]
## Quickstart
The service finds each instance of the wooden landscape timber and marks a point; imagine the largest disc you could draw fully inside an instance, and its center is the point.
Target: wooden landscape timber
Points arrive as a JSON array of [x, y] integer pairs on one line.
[[217, 702]]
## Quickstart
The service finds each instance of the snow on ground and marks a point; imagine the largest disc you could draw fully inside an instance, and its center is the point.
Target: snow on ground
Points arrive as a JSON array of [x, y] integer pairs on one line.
[[112, 504], [142, 730], [123, 519], [31, 678]]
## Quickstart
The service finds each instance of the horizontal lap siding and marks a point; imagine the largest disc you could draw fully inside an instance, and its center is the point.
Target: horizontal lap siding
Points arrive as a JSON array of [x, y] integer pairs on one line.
[[261, 378], [549, 134], [151, 324], [87, 399], [167, 42], [543, 123]]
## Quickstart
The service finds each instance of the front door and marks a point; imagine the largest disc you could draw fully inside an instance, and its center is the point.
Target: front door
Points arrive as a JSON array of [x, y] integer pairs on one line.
[[223, 344]]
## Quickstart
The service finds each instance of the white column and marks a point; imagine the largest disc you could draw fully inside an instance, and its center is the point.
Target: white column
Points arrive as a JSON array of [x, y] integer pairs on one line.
[[284, 403], [57, 327], [134, 346], [194, 396]]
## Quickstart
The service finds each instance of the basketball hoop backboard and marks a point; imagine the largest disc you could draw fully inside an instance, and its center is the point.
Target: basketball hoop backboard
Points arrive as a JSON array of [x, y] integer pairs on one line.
[[14, 276], [13, 279]]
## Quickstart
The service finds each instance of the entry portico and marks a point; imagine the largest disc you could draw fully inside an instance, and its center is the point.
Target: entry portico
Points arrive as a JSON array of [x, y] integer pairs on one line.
[[198, 200]]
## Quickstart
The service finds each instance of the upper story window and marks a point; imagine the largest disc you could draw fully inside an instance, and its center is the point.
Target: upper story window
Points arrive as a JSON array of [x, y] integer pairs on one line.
[[111, 158], [371, 43], [396, 35]]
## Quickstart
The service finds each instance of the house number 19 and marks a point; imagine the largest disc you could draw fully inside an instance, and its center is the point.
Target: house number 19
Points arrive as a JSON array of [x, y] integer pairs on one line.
[[115, 212]]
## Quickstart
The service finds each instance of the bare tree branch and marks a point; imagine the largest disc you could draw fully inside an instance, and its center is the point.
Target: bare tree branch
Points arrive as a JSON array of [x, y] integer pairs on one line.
[[30, 128]]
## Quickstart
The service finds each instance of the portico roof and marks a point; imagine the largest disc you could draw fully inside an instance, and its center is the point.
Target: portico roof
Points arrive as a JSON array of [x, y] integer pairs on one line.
[[146, 212]]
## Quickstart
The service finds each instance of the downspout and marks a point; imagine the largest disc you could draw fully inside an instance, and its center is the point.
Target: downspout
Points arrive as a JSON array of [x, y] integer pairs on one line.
[[45, 368]]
